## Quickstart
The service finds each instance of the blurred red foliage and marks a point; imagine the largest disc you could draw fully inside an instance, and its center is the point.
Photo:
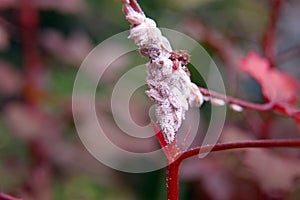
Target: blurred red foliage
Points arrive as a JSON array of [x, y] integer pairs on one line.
[[277, 86]]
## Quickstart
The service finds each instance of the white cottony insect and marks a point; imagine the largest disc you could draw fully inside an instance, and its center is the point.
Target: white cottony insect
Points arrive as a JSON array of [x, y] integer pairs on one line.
[[217, 102], [206, 98], [170, 86], [236, 107]]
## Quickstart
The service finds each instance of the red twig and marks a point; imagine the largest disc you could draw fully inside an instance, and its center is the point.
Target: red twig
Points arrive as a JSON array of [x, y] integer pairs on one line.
[[159, 135], [173, 180], [38, 185], [269, 36], [173, 168], [242, 103], [135, 6], [283, 108], [7, 197], [241, 144], [132, 4], [29, 19]]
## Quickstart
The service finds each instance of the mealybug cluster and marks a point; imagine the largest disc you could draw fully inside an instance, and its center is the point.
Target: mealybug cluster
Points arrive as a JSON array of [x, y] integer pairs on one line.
[[180, 56]]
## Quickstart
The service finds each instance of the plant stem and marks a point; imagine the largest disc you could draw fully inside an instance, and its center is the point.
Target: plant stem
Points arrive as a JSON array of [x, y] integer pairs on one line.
[[283, 108], [173, 168], [241, 144], [32, 64], [38, 186], [7, 197], [172, 180], [269, 36], [231, 100]]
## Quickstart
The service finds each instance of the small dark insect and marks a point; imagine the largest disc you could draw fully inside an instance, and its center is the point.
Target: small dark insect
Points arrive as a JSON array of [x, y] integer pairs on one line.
[[181, 56], [176, 64]]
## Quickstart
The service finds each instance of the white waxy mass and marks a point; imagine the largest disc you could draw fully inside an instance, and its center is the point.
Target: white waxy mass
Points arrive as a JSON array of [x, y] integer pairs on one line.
[[170, 88]]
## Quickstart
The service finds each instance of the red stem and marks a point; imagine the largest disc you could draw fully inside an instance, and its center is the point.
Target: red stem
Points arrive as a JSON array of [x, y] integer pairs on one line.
[[242, 144], [285, 109], [269, 36], [173, 168], [133, 4], [7, 197], [38, 185], [173, 180], [29, 19], [242, 103]]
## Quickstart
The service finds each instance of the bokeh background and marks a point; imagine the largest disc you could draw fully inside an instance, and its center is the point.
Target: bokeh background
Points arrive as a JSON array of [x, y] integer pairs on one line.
[[42, 44]]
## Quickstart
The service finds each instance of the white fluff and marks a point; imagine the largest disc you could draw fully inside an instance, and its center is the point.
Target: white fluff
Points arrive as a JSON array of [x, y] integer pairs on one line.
[[171, 90]]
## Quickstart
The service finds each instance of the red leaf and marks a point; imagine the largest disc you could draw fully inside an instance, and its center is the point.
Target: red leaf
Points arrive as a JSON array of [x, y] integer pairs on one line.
[[276, 86]]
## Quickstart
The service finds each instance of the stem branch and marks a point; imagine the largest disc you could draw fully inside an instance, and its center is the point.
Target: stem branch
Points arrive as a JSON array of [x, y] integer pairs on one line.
[[242, 144], [283, 108], [231, 100]]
